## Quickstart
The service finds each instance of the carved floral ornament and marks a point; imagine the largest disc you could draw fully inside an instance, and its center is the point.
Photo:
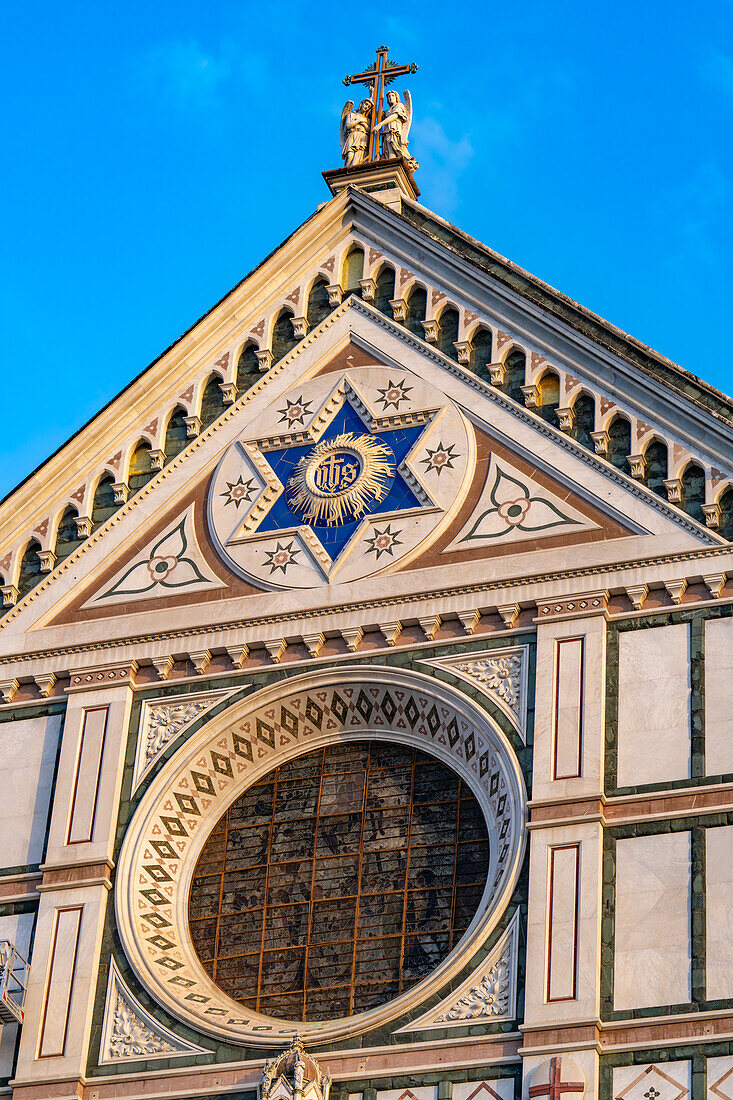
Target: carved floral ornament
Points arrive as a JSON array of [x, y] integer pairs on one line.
[[232, 752]]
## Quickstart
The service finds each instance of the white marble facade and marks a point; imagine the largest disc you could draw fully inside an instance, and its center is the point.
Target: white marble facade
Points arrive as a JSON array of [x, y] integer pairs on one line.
[[376, 539]]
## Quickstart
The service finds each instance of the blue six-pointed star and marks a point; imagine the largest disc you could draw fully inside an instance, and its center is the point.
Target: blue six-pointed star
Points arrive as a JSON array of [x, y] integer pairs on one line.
[[400, 496]]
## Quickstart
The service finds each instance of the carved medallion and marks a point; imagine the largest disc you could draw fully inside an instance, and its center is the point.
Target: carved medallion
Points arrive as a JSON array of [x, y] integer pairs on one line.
[[339, 481]]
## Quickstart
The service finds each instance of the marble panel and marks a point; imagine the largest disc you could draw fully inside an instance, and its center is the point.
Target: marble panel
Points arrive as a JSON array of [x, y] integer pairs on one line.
[[562, 925], [662, 1081], [86, 779], [60, 982], [718, 710], [653, 893], [720, 1078], [719, 912], [500, 1088], [567, 754], [419, 1092], [28, 752], [654, 705]]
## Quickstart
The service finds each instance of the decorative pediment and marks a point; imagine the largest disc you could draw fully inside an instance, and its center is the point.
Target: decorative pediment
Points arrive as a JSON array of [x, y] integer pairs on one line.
[[364, 455]]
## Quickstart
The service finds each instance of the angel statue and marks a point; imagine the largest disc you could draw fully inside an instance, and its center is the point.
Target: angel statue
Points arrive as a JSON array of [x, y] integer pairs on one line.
[[396, 125], [355, 131]]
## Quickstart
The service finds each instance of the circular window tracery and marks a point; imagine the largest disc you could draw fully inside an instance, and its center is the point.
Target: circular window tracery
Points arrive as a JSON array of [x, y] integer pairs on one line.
[[338, 881], [229, 755]]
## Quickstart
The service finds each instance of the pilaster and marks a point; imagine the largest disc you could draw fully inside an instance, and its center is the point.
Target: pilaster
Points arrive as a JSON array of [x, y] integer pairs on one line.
[[76, 883]]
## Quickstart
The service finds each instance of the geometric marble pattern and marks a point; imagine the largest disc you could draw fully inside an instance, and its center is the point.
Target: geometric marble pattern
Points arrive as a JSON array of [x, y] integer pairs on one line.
[[129, 1031], [419, 1092], [666, 1081], [488, 995], [501, 1088], [501, 674], [720, 1078], [162, 720], [189, 795], [513, 508]]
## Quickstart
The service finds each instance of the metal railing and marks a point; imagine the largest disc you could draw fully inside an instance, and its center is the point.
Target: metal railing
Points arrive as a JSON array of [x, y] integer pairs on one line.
[[13, 983]]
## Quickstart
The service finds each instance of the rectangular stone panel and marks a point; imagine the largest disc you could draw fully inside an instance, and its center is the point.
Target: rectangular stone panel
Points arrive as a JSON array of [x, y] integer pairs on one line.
[[59, 982], [562, 924], [654, 705], [568, 718], [28, 752], [720, 1078], [718, 708], [652, 932], [719, 913], [86, 778], [419, 1092]]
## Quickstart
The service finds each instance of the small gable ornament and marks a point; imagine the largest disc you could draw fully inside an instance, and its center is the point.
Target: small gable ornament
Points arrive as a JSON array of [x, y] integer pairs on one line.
[[294, 1075]]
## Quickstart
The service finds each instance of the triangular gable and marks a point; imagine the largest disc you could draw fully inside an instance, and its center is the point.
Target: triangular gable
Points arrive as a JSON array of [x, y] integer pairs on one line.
[[600, 505], [663, 403]]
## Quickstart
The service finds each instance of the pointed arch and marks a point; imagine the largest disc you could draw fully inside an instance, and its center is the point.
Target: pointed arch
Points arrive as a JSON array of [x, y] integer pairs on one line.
[[141, 468], [103, 503], [248, 369], [353, 271], [515, 370], [584, 420], [67, 536], [481, 348], [448, 332], [319, 306], [212, 402], [385, 289], [283, 335], [725, 527], [176, 434], [29, 573], [692, 493], [656, 466], [417, 307], [619, 443], [548, 392]]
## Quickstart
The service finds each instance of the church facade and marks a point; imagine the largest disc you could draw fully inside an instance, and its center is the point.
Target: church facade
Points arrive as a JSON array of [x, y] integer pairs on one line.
[[364, 672]]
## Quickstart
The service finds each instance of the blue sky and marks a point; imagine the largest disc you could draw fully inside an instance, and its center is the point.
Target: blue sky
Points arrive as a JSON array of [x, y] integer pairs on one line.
[[154, 153]]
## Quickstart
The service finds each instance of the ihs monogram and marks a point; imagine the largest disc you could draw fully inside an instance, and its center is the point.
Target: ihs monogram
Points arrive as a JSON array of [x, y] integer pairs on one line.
[[394, 393]]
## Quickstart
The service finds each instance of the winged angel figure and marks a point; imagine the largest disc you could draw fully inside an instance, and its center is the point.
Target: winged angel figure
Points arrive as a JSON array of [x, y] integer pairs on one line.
[[355, 131], [396, 126]]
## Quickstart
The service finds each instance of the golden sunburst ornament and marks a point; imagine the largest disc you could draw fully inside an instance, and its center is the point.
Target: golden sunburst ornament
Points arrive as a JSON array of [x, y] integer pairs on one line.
[[340, 479]]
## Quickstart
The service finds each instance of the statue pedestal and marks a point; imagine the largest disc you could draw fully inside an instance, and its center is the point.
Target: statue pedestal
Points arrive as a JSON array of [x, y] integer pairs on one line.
[[375, 176]]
